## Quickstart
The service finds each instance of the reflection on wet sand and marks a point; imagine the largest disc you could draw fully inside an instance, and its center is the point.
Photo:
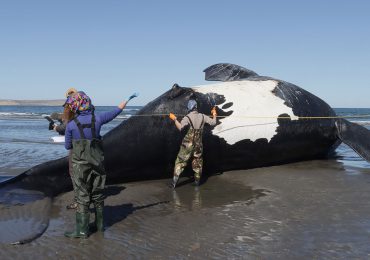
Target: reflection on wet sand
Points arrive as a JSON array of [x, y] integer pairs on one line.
[[189, 197]]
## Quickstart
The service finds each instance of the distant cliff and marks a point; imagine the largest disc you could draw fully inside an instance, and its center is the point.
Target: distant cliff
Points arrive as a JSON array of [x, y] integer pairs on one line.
[[9, 102]]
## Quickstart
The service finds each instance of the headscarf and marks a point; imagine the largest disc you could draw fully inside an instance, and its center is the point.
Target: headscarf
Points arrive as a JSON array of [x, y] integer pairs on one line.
[[79, 102], [192, 104]]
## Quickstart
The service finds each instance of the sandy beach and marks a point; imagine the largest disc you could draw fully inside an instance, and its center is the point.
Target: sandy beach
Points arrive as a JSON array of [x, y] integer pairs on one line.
[[307, 210]]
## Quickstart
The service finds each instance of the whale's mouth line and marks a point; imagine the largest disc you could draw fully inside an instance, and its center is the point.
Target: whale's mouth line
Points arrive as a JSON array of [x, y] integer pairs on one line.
[[243, 126]]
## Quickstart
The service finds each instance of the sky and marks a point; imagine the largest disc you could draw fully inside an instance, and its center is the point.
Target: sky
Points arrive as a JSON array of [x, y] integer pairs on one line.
[[113, 48]]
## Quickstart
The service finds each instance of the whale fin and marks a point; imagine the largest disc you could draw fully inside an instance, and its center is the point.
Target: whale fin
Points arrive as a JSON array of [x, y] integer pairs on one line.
[[26, 201], [23, 221], [227, 72], [355, 136]]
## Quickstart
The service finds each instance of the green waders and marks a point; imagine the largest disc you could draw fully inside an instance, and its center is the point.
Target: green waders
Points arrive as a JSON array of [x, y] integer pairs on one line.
[[191, 148], [72, 205], [89, 179]]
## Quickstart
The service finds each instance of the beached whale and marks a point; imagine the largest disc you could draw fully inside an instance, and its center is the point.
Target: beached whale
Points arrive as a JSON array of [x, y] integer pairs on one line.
[[262, 122]]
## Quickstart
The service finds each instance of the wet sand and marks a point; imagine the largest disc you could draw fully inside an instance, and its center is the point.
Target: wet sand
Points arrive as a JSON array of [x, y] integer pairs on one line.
[[307, 210]]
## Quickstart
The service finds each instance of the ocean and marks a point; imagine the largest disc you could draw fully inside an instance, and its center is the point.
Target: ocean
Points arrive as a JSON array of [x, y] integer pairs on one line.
[[25, 140]]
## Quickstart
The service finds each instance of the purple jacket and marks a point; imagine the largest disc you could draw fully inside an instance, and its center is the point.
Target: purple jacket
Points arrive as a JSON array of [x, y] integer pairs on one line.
[[72, 132]]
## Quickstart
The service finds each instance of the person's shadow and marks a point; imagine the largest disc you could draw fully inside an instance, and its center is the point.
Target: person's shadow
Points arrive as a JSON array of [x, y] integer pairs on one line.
[[113, 190], [115, 214]]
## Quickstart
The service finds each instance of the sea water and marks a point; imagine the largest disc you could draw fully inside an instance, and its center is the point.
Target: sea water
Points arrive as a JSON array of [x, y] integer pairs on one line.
[[25, 140]]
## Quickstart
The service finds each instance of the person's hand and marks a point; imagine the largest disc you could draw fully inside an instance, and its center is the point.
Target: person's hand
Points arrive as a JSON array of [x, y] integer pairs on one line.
[[213, 111], [51, 126], [133, 96], [172, 117]]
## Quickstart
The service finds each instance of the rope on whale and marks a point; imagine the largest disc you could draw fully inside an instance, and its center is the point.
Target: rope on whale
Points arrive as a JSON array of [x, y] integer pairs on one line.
[[256, 117]]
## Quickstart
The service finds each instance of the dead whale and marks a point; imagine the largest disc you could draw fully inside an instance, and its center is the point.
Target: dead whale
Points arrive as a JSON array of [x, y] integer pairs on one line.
[[262, 122]]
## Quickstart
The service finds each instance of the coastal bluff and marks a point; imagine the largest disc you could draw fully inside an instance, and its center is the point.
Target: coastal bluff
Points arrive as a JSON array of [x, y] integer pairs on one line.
[[10, 102]]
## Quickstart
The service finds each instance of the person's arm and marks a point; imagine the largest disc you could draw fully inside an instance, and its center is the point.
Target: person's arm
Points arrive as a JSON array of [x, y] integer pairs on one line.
[[110, 115], [122, 105], [211, 121], [68, 138], [179, 126]]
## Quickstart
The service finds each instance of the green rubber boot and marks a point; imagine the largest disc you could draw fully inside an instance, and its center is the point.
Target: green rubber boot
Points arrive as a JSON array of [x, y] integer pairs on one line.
[[99, 218], [82, 226]]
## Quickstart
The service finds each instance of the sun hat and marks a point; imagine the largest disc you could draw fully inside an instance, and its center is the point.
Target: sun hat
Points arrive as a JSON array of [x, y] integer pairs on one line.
[[70, 91]]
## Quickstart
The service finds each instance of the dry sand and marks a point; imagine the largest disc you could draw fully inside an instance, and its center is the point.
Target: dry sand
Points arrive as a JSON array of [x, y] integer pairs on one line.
[[308, 210]]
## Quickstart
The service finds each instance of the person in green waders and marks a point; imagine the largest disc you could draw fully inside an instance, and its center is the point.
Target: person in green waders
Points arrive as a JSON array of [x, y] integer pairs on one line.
[[191, 146], [83, 135]]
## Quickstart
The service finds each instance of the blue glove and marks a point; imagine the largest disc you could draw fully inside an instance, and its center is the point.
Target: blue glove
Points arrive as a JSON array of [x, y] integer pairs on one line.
[[133, 96]]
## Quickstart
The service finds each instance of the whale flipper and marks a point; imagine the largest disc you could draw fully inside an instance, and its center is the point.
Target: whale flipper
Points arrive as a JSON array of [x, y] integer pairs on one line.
[[23, 221], [25, 201], [355, 136], [227, 72]]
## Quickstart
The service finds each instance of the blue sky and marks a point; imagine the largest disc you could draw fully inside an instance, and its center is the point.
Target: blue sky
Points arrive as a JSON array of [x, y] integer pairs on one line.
[[112, 48]]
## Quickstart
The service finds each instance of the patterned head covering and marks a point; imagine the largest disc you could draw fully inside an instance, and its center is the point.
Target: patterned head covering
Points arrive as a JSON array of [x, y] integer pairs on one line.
[[79, 102]]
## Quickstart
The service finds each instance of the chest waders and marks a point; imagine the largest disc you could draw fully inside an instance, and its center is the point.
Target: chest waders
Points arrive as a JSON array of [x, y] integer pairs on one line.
[[191, 148], [89, 179]]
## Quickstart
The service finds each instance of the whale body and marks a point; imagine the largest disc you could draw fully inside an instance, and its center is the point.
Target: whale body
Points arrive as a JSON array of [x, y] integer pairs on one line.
[[261, 122]]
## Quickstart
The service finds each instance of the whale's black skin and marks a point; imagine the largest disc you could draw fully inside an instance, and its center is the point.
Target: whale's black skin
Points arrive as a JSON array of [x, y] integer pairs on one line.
[[145, 147]]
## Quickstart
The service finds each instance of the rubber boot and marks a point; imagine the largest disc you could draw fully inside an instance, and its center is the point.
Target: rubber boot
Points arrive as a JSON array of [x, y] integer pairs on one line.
[[82, 226], [99, 218], [73, 205], [174, 181]]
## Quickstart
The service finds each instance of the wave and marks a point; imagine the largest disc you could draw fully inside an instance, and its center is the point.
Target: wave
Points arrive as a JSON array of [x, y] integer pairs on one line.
[[27, 115], [364, 123], [123, 116], [20, 115], [17, 114]]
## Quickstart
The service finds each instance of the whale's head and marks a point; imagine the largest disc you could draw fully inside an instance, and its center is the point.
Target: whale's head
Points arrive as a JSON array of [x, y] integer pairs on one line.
[[172, 101]]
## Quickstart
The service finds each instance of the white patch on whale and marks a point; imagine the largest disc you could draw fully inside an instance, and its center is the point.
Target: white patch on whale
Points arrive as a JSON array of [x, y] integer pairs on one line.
[[255, 109]]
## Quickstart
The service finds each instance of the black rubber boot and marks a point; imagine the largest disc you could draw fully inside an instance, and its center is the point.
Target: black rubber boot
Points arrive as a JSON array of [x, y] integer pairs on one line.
[[99, 218], [82, 226]]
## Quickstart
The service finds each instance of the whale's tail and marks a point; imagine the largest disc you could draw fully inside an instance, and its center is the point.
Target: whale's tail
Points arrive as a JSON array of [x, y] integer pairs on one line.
[[355, 136]]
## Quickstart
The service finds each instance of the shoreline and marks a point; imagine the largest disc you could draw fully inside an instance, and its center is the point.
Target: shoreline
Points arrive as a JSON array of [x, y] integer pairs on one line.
[[53, 102]]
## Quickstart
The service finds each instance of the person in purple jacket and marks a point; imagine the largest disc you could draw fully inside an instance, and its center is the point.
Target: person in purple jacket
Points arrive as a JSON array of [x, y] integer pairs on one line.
[[83, 135]]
